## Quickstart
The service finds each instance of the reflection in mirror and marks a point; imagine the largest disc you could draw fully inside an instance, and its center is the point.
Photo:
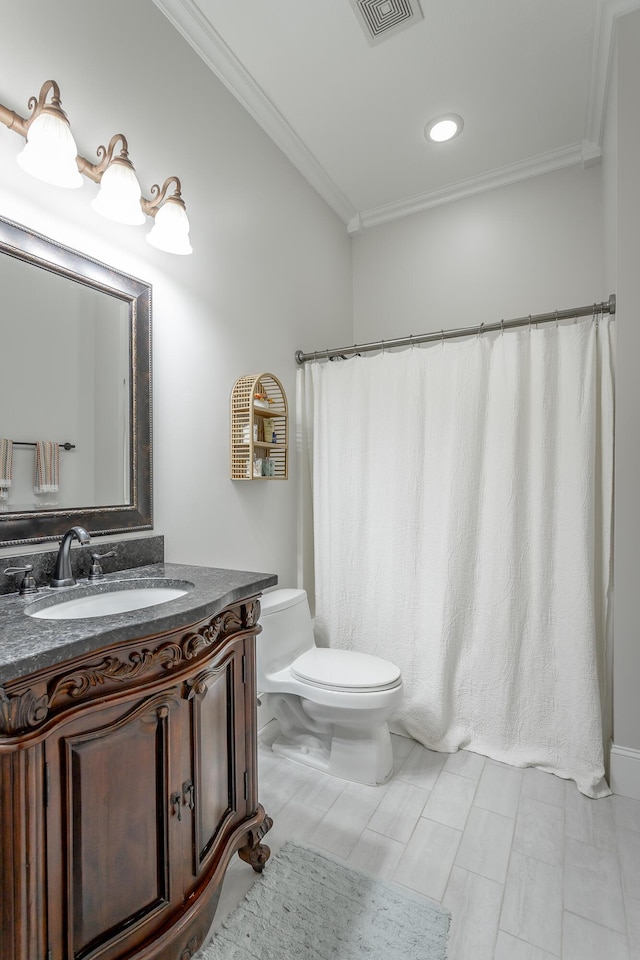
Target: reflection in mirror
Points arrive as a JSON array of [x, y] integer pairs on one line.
[[68, 343], [75, 370]]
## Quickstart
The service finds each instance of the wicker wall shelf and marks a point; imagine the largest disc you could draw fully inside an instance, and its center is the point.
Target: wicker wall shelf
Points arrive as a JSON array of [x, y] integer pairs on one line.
[[259, 429]]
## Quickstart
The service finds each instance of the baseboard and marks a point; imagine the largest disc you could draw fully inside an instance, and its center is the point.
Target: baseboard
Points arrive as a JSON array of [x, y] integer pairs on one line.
[[624, 777]]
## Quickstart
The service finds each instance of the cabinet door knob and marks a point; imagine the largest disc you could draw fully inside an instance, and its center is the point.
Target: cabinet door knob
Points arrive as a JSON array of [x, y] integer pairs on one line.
[[176, 800], [187, 794]]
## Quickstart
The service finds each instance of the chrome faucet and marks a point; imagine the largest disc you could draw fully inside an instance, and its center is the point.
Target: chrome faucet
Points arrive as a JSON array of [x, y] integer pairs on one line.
[[62, 576]]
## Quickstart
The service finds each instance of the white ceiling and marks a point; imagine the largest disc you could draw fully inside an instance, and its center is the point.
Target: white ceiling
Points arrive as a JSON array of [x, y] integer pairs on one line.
[[528, 77]]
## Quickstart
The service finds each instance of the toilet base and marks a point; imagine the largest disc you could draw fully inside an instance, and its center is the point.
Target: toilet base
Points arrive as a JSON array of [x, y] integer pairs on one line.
[[361, 756]]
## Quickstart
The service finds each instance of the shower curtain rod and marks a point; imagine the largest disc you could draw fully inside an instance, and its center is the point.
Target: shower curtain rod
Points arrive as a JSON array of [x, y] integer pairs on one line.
[[607, 306]]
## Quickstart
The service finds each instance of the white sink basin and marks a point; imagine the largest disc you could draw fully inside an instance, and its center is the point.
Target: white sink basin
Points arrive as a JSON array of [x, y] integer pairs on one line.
[[108, 600]]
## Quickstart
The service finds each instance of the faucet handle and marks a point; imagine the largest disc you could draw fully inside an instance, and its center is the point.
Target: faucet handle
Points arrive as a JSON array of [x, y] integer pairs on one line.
[[96, 570], [27, 584]]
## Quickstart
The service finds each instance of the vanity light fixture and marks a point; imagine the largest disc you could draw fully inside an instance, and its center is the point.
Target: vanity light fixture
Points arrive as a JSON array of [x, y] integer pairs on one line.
[[120, 194], [170, 231], [50, 151], [444, 128], [50, 154]]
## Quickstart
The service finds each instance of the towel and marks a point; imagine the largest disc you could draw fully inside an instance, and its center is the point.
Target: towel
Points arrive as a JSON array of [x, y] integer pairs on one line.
[[6, 467], [46, 470]]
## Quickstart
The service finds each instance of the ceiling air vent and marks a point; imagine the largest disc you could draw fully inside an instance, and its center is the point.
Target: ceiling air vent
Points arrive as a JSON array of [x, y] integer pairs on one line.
[[383, 18]]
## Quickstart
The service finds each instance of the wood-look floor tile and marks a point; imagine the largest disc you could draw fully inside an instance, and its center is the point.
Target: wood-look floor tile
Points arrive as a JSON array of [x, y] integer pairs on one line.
[[587, 820], [499, 789], [592, 886], [629, 853], [632, 908], [279, 782], [464, 763], [320, 791], [540, 831], [450, 800], [237, 883], [296, 821], [341, 826], [376, 854], [626, 813], [401, 746], [508, 948], [474, 903], [427, 859], [584, 940], [422, 767], [399, 810], [543, 787], [474, 821], [532, 906], [486, 844]]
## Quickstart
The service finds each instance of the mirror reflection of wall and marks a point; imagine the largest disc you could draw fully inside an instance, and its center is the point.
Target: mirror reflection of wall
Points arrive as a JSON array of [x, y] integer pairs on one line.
[[64, 376]]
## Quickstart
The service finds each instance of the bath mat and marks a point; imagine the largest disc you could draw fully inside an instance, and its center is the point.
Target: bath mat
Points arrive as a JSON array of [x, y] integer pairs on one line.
[[307, 906]]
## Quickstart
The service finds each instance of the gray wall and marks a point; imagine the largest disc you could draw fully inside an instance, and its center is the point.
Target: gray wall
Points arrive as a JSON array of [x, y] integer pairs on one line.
[[623, 219], [271, 264]]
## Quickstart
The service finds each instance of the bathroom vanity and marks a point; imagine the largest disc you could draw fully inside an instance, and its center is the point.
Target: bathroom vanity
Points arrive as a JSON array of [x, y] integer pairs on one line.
[[127, 767]]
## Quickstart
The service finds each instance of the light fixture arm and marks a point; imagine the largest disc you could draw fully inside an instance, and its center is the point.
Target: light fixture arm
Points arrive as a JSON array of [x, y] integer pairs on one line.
[[39, 103], [36, 105], [150, 207], [13, 121], [94, 171]]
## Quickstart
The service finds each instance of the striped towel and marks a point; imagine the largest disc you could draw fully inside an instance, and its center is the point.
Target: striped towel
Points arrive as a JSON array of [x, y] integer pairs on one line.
[[46, 471], [6, 467]]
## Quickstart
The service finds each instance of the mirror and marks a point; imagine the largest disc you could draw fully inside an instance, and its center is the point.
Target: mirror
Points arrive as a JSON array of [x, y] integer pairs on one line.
[[75, 371]]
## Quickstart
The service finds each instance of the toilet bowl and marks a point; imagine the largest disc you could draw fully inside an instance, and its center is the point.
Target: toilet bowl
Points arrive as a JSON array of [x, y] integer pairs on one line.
[[332, 706]]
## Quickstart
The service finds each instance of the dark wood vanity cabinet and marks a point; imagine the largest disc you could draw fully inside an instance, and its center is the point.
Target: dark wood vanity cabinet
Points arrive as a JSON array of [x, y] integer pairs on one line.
[[123, 801]]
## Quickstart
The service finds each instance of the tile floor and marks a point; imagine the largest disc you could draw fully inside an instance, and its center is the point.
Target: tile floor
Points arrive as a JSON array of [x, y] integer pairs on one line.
[[529, 868]]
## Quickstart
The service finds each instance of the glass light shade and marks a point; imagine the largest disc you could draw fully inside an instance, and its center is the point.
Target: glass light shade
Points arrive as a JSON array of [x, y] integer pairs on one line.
[[119, 195], [50, 152], [170, 231]]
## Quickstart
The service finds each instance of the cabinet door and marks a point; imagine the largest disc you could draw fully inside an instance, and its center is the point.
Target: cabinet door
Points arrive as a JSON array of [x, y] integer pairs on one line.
[[113, 832], [216, 699]]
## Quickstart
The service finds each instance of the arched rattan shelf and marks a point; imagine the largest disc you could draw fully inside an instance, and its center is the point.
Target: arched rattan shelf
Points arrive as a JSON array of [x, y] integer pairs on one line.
[[259, 429]]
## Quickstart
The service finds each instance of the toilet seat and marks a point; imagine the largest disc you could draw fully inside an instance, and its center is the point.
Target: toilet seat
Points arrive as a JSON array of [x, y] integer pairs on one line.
[[345, 670]]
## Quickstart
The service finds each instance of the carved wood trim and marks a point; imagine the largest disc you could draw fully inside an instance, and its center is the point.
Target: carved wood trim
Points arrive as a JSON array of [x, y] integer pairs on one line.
[[26, 709], [22, 711], [77, 684], [254, 852], [224, 625], [252, 613]]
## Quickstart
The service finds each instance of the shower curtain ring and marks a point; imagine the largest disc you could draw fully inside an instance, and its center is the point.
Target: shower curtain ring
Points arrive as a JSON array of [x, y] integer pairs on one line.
[[529, 323], [382, 342], [480, 330], [556, 319], [502, 327]]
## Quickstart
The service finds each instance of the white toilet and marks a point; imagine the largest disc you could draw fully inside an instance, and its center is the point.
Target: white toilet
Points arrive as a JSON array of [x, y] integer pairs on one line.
[[332, 705]]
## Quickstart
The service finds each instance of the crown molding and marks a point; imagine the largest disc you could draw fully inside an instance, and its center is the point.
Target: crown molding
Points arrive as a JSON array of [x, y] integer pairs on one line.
[[584, 153], [190, 21]]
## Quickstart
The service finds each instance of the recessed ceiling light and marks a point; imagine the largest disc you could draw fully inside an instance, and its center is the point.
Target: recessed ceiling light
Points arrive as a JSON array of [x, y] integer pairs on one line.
[[444, 128]]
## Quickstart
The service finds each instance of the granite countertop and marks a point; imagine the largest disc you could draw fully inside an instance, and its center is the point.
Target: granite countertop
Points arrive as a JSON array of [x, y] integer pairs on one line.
[[28, 644]]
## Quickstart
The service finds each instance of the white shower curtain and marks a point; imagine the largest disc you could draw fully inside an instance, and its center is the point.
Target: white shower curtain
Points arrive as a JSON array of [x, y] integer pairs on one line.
[[462, 516]]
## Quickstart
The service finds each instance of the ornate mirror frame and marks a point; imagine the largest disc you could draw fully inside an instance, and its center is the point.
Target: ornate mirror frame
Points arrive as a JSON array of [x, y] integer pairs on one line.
[[38, 526]]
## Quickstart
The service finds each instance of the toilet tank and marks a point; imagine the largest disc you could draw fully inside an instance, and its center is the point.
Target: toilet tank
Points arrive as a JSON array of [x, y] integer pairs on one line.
[[287, 630]]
